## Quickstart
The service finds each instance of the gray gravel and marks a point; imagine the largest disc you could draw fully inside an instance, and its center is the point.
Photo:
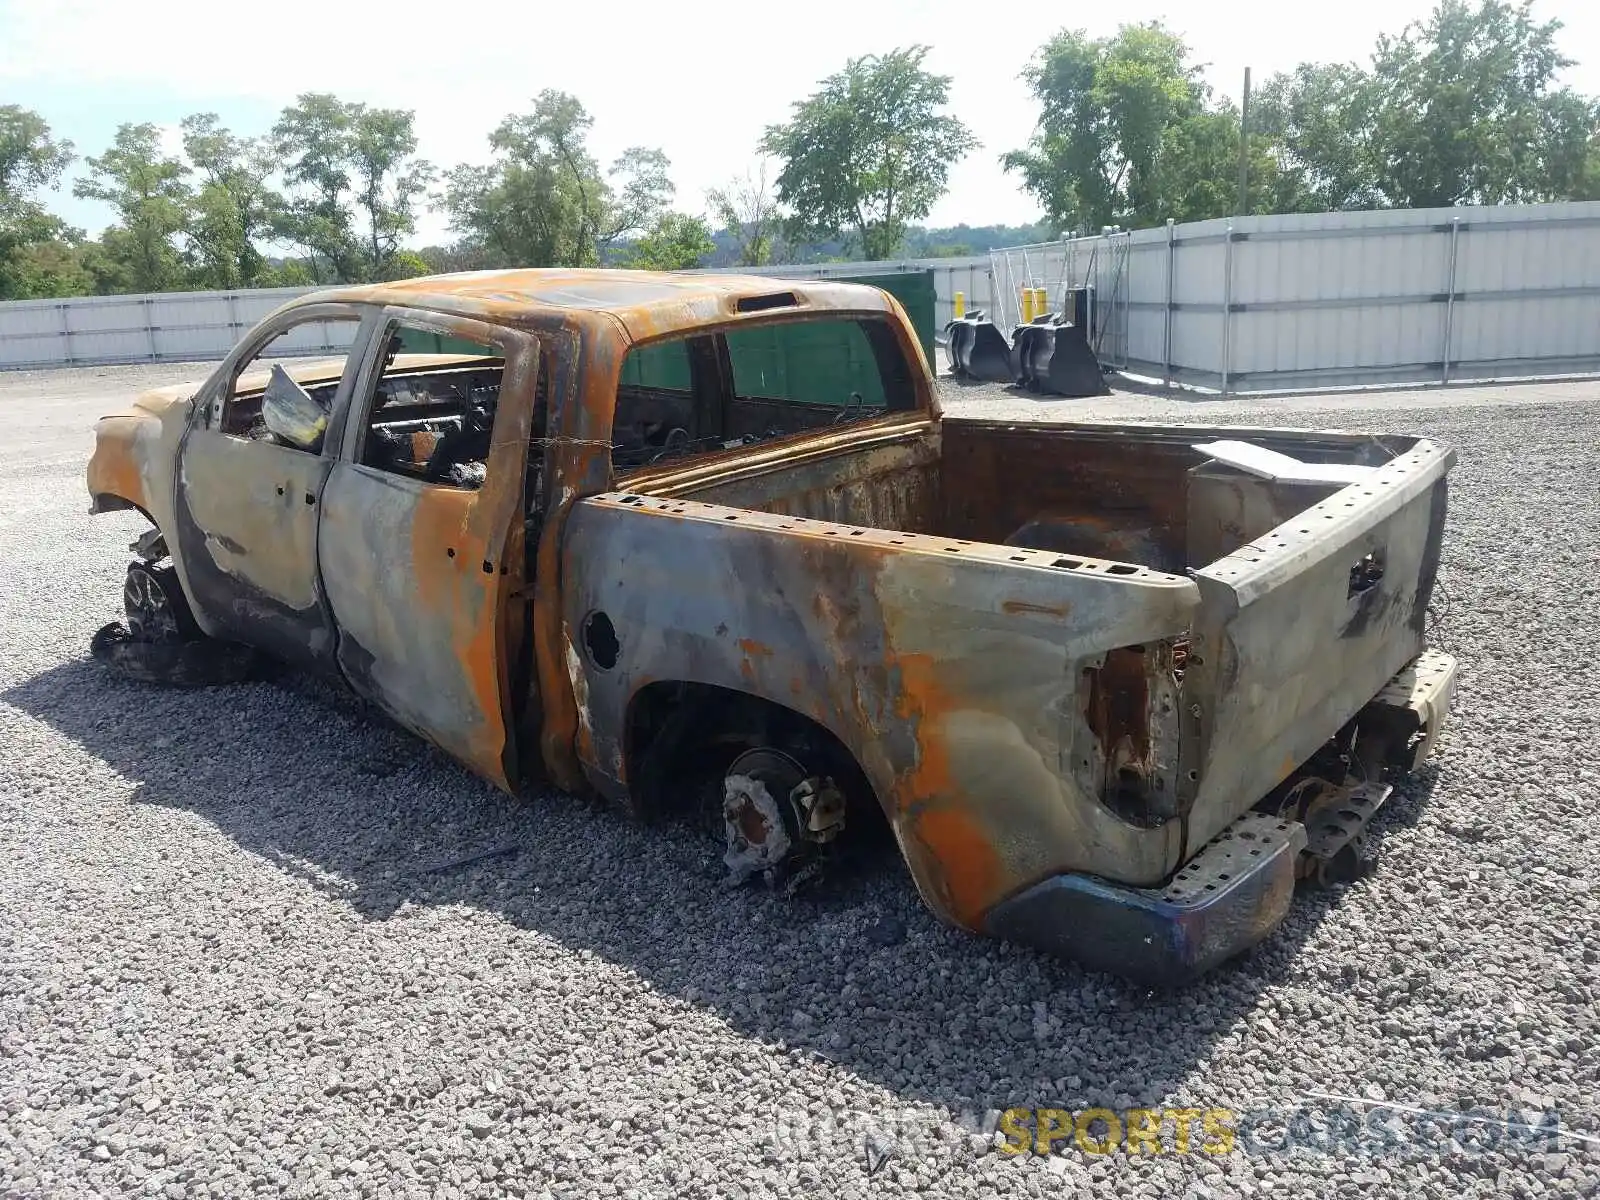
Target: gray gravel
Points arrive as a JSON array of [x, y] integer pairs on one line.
[[226, 969]]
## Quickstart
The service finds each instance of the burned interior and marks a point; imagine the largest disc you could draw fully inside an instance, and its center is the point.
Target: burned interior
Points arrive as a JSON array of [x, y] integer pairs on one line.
[[430, 417], [710, 392]]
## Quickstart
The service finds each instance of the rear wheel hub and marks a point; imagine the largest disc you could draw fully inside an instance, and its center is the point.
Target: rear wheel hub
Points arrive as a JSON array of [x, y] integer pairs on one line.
[[773, 812]]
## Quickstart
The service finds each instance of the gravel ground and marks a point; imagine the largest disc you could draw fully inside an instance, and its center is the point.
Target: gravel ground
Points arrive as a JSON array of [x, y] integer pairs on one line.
[[226, 968]]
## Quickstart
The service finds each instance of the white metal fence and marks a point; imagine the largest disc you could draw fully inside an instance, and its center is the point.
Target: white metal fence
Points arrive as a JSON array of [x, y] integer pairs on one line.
[[1243, 304], [163, 327], [200, 326], [1335, 299]]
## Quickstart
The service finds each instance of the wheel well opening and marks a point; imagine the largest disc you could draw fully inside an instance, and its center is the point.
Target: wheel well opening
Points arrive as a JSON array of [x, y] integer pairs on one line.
[[682, 737], [105, 502]]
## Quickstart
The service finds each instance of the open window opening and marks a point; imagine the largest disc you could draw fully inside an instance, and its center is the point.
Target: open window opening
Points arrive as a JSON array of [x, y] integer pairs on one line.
[[433, 407], [689, 396], [284, 392]]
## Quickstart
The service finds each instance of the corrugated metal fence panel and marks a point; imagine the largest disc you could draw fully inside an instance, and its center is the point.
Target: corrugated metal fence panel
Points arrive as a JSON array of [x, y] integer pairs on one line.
[[1320, 296], [969, 276], [1296, 300], [1389, 296], [1381, 297], [1143, 326], [162, 327], [1526, 291], [31, 331], [1199, 259]]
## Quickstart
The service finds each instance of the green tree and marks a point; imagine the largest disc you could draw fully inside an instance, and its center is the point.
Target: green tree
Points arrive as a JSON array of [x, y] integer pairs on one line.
[[637, 193], [748, 211], [30, 159], [512, 213], [1106, 109], [153, 201], [543, 200], [1320, 120], [291, 272], [40, 267], [1468, 111], [406, 264], [1587, 186], [358, 184], [443, 260], [1196, 173], [869, 151], [673, 243], [38, 254], [1569, 148], [960, 240], [312, 138], [234, 207], [390, 182], [1460, 109]]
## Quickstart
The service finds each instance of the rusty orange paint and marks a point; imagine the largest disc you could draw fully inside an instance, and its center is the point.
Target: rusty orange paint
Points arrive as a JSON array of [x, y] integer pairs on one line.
[[558, 737], [438, 527], [972, 872], [423, 443], [586, 320], [578, 470], [464, 601], [930, 807], [758, 649], [924, 700], [113, 470], [479, 647], [595, 316], [638, 305]]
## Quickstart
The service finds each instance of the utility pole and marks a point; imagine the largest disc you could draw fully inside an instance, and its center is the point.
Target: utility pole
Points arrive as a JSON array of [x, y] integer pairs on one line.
[[1244, 147]]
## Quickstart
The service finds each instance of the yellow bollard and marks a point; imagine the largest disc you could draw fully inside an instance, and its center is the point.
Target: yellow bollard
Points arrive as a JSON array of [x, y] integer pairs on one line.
[[1041, 301], [960, 303], [1027, 305]]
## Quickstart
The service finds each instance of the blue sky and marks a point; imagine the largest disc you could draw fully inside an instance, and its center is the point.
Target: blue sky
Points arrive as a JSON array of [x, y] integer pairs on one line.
[[698, 78]]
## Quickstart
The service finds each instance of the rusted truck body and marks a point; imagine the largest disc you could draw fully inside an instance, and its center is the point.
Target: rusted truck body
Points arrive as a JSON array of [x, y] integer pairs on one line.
[[1113, 689]]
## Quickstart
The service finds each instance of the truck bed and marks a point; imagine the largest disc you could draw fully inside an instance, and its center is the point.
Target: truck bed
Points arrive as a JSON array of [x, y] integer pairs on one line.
[[1118, 642], [1106, 491]]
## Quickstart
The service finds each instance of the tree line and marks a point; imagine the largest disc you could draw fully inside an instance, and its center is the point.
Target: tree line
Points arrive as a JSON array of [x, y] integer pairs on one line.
[[1463, 108]]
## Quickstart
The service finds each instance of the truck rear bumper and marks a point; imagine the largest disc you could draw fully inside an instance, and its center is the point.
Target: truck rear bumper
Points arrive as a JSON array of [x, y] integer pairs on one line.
[[1235, 891], [1414, 706], [1230, 896]]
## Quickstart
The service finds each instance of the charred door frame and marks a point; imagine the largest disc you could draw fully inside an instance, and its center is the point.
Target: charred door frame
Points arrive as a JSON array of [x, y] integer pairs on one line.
[[232, 605], [456, 554]]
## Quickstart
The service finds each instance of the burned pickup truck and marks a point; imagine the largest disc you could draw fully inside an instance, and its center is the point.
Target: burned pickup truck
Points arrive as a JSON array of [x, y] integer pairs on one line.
[[664, 538]]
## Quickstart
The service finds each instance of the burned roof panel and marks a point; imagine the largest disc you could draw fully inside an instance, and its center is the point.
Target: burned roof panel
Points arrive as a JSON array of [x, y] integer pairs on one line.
[[646, 303]]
